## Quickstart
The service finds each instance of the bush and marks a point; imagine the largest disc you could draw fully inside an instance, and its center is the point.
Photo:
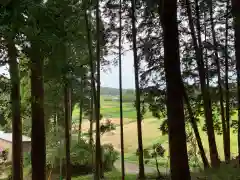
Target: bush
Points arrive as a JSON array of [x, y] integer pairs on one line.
[[82, 158]]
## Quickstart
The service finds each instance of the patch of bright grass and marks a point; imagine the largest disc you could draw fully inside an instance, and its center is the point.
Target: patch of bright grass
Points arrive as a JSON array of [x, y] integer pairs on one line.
[[114, 175]]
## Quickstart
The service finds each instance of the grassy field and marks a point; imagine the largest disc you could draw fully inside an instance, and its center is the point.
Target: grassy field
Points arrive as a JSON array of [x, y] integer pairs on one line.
[[150, 131]]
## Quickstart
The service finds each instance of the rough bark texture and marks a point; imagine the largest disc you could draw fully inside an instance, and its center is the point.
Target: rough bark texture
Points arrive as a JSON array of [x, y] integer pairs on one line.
[[175, 110], [38, 123], [16, 112]]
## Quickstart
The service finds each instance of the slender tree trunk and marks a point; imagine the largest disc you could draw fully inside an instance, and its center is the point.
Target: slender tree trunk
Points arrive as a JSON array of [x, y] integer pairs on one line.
[[137, 91], [206, 96], [120, 91], [16, 112], [67, 117], [91, 123], [80, 112], [236, 21], [206, 51], [157, 167], [228, 146], [219, 81], [195, 130], [97, 155], [38, 122], [97, 102], [175, 110]]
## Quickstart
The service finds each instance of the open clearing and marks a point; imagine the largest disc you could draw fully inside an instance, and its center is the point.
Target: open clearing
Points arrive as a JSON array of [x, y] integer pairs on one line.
[[151, 135], [150, 128]]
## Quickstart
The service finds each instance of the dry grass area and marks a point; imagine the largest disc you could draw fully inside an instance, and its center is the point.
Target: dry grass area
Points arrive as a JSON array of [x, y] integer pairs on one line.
[[150, 133]]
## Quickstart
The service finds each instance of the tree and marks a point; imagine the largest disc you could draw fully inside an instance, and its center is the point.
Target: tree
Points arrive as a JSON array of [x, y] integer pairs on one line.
[[38, 122], [120, 90], [16, 113], [67, 113], [137, 91], [197, 43], [228, 146], [236, 17], [98, 154], [177, 136]]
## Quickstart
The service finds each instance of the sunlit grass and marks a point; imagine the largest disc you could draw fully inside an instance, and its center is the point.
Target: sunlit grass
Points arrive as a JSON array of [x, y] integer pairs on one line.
[[151, 132]]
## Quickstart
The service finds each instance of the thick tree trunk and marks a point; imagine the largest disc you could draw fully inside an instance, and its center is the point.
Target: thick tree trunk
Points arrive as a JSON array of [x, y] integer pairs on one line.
[[38, 122], [120, 91], [236, 20], [137, 91], [67, 117], [206, 96], [16, 111], [219, 81], [175, 110], [228, 146]]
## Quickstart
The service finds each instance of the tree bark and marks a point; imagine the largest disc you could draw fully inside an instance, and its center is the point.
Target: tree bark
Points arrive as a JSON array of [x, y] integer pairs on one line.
[[80, 112], [195, 130], [175, 111], [94, 97], [38, 122], [206, 96], [120, 91], [67, 117], [219, 81], [236, 21], [16, 111], [228, 146], [137, 91]]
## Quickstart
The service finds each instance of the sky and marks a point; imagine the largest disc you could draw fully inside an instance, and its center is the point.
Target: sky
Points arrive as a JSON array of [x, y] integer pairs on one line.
[[110, 78]]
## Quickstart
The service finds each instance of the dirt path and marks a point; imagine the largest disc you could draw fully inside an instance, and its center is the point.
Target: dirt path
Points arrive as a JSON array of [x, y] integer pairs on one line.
[[132, 168]]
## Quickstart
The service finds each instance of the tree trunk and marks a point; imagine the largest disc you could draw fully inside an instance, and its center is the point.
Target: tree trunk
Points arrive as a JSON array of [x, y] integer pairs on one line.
[[219, 81], [228, 146], [67, 117], [16, 111], [96, 111], [120, 91], [175, 110], [80, 112], [38, 122], [206, 96], [206, 52], [236, 21], [97, 102], [91, 123], [137, 91], [195, 130]]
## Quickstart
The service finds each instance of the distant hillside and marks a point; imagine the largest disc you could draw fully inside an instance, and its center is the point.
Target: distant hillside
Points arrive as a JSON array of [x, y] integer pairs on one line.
[[114, 91]]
